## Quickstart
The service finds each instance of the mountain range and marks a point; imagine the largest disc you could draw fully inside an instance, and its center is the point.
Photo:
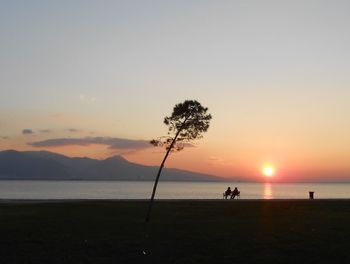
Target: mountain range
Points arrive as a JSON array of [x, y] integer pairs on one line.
[[44, 165]]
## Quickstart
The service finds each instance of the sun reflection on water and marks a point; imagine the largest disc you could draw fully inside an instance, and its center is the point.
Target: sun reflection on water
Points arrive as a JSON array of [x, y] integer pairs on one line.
[[267, 191]]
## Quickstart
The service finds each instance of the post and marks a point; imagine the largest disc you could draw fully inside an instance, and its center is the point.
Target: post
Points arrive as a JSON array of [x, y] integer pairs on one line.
[[311, 195]]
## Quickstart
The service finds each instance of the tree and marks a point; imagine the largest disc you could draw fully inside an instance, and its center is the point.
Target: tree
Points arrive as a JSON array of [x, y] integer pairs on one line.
[[188, 122]]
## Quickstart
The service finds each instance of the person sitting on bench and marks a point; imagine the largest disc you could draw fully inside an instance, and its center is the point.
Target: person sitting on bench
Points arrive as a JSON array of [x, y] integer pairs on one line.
[[227, 193], [235, 193]]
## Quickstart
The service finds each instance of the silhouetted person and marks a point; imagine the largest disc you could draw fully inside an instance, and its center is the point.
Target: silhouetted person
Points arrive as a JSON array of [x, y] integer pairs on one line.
[[235, 193], [228, 192]]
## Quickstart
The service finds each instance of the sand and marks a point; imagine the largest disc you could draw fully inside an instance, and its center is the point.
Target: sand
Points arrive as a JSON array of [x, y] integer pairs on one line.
[[180, 231]]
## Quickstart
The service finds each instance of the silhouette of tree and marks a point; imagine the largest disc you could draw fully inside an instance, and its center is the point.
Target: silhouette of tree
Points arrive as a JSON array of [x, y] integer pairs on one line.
[[188, 122]]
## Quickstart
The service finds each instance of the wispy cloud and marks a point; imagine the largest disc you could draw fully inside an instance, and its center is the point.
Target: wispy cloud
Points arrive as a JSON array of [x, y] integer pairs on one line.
[[87, 99], [4, 137], [27, 131], [73, 130], [214, 158], [45, 131], [113, 143]]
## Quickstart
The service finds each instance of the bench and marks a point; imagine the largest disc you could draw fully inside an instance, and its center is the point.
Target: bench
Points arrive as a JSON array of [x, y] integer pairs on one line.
[[238, 195], [232, 196]]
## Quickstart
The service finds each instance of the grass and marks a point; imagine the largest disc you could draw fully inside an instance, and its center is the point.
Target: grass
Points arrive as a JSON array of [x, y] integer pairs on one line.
[[179, 232]]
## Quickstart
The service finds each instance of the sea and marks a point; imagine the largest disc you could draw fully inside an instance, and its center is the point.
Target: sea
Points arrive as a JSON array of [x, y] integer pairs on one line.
[[46, 190]]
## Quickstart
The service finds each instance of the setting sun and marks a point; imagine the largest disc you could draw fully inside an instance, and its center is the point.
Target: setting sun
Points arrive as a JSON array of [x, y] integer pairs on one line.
[[268, 170]]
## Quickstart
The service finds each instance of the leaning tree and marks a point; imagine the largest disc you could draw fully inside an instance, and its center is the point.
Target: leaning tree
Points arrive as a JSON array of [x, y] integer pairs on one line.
[[188, 122]]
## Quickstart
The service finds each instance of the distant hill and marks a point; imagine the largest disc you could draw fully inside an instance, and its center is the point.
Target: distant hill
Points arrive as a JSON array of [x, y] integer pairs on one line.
[[44, 165]]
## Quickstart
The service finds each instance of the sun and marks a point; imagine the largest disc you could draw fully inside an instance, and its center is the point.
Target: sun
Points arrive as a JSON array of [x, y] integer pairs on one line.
[[268, 170]]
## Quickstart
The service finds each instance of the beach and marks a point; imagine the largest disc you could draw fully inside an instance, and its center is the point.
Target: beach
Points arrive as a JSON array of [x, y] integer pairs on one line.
[[180, 231]]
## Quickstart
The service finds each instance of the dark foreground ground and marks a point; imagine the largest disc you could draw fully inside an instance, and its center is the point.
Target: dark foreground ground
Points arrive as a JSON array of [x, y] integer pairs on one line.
[[297, 231]]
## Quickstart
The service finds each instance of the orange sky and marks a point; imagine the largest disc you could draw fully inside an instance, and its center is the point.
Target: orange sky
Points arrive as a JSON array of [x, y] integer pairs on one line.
[[290, 163]]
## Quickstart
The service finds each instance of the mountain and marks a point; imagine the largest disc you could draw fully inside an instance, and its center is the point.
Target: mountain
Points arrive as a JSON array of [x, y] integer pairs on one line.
[[44, 165]]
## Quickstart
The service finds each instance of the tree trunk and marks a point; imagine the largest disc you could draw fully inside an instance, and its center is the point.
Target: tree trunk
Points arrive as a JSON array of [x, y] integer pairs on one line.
[[160, 171]]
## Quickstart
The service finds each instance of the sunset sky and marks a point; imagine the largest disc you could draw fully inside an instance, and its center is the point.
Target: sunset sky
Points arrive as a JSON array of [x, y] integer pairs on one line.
[[96, 79]]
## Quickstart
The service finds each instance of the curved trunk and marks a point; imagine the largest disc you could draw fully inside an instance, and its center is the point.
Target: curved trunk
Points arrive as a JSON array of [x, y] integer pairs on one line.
[[160, 171]]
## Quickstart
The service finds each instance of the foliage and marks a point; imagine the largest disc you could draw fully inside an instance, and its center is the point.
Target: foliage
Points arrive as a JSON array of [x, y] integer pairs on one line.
[[188, 121]]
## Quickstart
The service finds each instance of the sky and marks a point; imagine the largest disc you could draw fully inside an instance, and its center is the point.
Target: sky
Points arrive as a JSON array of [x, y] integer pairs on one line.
[[97, 78]]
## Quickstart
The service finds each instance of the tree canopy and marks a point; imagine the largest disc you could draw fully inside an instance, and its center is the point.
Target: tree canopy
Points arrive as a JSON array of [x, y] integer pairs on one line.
[[188, 122]]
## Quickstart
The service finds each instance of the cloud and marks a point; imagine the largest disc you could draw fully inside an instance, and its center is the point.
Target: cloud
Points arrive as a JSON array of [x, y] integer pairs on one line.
[[4, 137], [188, 145], [45, 131], [73, 130], [27, 131], [113, 143], [87, 99], [214, 158]]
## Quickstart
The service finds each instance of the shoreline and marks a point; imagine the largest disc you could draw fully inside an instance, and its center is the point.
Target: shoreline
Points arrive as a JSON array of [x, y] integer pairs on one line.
[[38, 201]]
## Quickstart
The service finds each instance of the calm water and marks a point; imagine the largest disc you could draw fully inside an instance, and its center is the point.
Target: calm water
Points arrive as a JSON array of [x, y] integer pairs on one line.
[[166, 190]]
